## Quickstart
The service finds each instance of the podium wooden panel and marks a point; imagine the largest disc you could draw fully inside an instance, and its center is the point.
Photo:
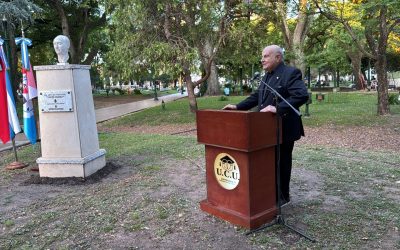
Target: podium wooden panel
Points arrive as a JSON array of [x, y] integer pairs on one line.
[[250, 139]]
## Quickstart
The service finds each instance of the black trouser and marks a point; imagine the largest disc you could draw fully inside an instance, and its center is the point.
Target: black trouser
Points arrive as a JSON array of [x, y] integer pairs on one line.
[[286, 150]]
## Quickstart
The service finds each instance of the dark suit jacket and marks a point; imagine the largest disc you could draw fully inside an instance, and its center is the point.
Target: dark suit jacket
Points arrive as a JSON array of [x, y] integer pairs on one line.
[[289, 84]]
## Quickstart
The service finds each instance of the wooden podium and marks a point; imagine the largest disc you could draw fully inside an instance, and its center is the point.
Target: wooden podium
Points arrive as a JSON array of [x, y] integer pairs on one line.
[[240, 165]]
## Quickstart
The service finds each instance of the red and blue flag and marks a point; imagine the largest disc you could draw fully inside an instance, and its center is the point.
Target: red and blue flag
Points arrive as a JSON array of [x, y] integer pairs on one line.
[[29, 90]]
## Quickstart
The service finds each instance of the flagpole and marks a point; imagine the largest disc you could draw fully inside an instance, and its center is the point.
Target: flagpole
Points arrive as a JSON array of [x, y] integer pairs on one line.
[[14, 149], [16, 164]]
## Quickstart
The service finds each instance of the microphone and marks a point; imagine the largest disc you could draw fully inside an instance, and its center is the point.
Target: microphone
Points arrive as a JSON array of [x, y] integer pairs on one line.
[[255, 76]]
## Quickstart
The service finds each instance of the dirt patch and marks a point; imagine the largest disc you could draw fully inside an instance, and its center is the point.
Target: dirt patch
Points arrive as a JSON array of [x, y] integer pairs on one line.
[[130, 205], [96, 177], [385, 137]]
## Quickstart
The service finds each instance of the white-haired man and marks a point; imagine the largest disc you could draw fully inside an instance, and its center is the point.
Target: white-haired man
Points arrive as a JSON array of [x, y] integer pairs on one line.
[[287, 81]]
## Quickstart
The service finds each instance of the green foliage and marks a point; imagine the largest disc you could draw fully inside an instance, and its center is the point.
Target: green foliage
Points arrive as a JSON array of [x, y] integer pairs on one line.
[[377, 20], [149, 46], [223, 98], [17, 11], [328, 44], [9, 223], [86, 29], [393, 60], [120, 91], [394, 99], [137, 92], [203, 88], [228, 85], [243, 46]]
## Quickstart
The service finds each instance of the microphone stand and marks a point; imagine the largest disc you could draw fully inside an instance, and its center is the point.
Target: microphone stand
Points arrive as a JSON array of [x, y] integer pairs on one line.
[[279, 219]]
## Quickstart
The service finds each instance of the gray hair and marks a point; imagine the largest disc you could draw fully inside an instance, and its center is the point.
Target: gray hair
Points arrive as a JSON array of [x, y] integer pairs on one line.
[[275, 49]]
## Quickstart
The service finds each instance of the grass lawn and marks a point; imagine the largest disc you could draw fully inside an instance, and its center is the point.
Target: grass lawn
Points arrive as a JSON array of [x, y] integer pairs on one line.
[[344, 198], [341, 109]]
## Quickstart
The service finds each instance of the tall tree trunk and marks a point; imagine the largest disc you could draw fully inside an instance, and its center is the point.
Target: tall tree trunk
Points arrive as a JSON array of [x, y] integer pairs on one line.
[[377, 42], [337, 78], [299, 60], [212, 81], [355, 58], [206, 52], [294, 42], [190, 89], [64, 25], [381, 64], [77, 46], [383, 95]]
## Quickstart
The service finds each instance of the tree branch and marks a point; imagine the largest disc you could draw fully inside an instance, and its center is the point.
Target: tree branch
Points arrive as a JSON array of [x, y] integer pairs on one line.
[[64, 23], [393, 25], [280, 7], [347, 27], [93, 52]]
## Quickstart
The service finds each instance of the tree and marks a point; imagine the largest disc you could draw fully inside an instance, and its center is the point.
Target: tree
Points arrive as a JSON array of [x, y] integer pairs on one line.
[[295, 37], [379, 19], [169, 36], [78, 20], [248, 35], [13, 13]]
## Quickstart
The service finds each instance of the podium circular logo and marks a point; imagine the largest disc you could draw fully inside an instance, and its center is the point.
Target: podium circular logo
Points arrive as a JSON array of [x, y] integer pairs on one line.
[[226, 171]]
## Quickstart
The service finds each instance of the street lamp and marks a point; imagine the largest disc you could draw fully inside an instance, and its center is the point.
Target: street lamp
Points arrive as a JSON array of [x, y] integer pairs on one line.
[[154, 83], [241, 79], [5, 29], [155, 91]]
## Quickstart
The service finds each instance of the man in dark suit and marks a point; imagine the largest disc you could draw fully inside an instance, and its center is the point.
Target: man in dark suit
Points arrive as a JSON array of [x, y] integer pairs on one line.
[[287, 81]]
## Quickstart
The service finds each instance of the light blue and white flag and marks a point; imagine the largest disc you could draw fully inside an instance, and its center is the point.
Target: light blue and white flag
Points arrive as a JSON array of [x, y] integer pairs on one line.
[[25, 42]]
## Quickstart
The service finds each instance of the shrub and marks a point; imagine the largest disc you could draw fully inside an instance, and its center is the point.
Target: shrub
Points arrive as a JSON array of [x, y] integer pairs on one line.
[[137, 92], [394, 99], [223, 98], [120, 91]]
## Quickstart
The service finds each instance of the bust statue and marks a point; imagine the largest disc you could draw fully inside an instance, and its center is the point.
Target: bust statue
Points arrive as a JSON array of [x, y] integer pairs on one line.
[[61, 45]]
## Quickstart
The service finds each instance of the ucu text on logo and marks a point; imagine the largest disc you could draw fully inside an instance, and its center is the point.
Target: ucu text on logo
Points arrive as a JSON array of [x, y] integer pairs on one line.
[[226, 171]]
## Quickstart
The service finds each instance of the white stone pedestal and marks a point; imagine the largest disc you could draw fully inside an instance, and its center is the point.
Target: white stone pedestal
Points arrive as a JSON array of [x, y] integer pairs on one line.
[[69, 141]]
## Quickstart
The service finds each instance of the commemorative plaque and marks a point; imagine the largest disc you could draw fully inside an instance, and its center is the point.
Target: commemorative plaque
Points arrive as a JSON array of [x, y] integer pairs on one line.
[[55, 101]]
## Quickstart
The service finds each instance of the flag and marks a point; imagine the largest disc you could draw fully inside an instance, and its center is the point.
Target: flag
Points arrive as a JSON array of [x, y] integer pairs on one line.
[[29, 90], [13, 121], [4, 126], [25, 42]]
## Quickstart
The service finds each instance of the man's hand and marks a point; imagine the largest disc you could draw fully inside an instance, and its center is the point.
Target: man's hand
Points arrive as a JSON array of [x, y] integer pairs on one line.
[[230, 107], [269, 108]]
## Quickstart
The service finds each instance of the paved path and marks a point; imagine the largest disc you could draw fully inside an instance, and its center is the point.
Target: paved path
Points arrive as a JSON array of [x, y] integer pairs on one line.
[[108, 113]]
